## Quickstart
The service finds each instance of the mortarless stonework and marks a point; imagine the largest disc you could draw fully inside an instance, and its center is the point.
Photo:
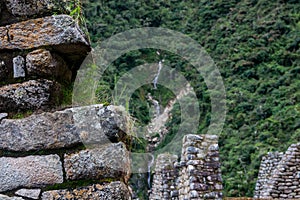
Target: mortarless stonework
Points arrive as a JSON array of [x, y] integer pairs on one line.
[[109, 161], [39, 57], [196, 176], [283, 181], [35, 7], [112, 191], [200, 174], [43, 63], [30, 171], [94, 125], [267, 166], [59, 31], [30, 95], [165, 179]]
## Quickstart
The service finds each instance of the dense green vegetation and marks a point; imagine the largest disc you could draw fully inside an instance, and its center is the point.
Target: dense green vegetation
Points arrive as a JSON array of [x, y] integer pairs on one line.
[[255, 44]]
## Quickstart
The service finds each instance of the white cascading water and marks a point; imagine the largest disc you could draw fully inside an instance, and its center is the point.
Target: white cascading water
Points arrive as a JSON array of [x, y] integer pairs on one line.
[[157, 75], [150, 163]]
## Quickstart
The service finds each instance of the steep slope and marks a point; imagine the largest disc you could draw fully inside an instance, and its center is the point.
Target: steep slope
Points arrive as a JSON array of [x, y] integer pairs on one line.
[[255, 44]]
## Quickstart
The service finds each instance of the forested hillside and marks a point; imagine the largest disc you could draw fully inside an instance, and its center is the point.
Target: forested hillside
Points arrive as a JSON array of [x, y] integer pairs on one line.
[[255, 44]]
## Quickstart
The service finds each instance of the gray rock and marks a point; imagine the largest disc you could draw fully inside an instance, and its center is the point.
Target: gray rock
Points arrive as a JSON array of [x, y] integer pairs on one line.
[[60, 129], [29, 193], [3, 116], [109, 161], [60, 32], [35, 7], [30, 171], [41, 63], [102, 125], [4, 197], [30, 95], [42, 131], [111, 191], [19, 67]]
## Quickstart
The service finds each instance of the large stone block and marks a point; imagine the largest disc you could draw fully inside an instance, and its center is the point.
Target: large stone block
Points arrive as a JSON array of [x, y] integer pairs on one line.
[[112, 191], [12, 11], [36, 7], [41, 63], [30, 95], [42, 131], [109, 161], [4, 197], [94, 125], [29, 193], [30, 171], [60, 32]]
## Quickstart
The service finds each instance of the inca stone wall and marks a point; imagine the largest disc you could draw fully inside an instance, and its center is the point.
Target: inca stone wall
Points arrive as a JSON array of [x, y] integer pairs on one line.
[[39, 54], [165, 178], [267, 166], [75, 153], [196, 176], [52, 134], [279, 175]]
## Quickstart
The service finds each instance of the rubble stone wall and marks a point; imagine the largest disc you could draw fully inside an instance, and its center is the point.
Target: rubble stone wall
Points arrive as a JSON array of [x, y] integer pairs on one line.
[[196, 176], [279, 175]]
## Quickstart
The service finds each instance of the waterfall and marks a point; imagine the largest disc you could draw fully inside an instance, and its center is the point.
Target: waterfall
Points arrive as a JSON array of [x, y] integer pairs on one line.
[[149, 170], [157, 75], [156, 105]]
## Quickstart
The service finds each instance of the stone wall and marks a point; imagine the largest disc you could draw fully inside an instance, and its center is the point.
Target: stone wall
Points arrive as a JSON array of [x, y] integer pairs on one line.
[[279, 175], [46, 149], [165, 179], [196, 176], [267, 166], [75, 153], [39, 54]]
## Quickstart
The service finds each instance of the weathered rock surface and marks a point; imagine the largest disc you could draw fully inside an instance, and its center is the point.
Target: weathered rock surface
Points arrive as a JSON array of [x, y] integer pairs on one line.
[[109, 161], [59, 31], [29, 193], [4, 197], [12, 11], [35, 7], [112, 191], [60, 129], [41, 63], [42, 131], [30, 95], [3, 116], [102, 125], [30, 171]]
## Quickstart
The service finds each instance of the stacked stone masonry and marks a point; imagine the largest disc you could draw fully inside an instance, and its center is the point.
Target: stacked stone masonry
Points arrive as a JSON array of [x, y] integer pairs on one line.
[[48, 154], [164, 184], [279, 175], [196, 176], [107, 163], [267, 166], [39, 53]]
